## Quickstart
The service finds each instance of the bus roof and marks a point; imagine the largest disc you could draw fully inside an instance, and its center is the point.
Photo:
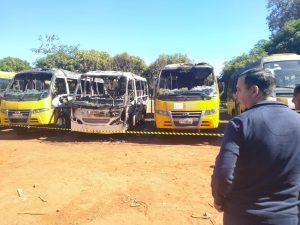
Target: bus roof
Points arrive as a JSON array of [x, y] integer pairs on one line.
[[114, 73], [7, 75], [57, 72], [187, 66], [281, 57]]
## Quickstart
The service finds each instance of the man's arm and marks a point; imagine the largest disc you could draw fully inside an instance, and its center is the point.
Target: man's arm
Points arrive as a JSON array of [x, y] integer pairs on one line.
[[223, 174]]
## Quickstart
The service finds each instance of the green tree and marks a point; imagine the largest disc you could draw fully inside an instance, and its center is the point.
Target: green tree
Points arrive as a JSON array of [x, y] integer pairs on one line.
[[280, 12], [286, 39], [59, 59], [12, 64], [91, 60], [128, 63], [241, 61]]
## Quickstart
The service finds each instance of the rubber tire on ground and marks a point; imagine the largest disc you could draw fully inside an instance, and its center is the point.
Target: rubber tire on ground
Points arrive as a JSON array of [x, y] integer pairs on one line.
[[66, 122]]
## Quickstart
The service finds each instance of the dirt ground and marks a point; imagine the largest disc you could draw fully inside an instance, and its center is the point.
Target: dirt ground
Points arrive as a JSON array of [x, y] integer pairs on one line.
[[51, 178]]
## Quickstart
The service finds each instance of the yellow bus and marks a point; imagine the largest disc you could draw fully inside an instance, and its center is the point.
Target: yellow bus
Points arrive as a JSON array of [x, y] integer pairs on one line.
[[38, 98], [5, 77], [286, 69], [187, 97]]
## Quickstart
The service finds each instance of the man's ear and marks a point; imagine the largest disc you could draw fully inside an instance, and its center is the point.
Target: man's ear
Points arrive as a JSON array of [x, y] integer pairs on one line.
[[255, 90]]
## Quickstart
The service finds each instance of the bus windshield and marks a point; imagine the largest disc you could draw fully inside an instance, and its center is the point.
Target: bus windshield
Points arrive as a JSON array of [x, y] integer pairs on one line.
[[197, 82], [287, 73], [104, 91], [29, 86]]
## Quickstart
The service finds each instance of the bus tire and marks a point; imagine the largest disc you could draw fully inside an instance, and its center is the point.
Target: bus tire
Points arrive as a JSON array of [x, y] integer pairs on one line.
[[63, 122]]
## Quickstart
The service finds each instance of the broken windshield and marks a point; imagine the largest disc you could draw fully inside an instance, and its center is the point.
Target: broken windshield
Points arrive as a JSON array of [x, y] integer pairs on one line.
[[194, 82], [29, 86], [104, 91]]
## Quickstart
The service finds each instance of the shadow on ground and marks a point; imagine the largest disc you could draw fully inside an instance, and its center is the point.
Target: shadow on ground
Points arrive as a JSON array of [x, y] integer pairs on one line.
[[206, 137]]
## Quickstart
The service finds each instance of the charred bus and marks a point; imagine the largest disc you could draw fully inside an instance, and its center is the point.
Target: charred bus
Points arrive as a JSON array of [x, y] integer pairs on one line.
[[38, 98], [108, 101]]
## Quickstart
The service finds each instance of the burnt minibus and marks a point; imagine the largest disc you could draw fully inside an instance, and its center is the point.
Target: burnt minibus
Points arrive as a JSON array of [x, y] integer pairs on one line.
[[108, 102]]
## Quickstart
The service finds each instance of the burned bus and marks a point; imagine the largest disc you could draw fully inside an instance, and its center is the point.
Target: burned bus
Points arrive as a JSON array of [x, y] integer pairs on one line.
[[108, 101]]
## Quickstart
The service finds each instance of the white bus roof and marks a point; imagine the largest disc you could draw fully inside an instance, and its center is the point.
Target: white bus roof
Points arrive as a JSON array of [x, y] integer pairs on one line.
[[7, 75], [280, 57], [114, 73], [57, 72], [187, 65]]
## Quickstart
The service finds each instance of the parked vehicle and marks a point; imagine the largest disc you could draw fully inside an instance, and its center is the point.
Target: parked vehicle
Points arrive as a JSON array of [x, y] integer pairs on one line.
[[187, 97], [5, 77], [108, 101], [285, 68], [38, 98]]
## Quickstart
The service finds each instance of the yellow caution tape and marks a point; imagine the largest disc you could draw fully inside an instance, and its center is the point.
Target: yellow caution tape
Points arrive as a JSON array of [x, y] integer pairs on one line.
[[119, 132]]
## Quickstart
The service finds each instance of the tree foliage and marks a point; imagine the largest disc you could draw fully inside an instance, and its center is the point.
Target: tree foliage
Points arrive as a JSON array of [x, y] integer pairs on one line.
[[280, 12], [12, 64], [128, 63], [241, 61], [58, 59], [91, 60], [286, 40]]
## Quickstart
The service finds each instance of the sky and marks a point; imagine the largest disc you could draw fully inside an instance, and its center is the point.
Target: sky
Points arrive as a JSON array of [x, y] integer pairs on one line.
[[211, 31]]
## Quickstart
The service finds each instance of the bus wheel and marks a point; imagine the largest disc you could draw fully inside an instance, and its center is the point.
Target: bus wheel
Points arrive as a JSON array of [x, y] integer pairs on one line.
[[21, 130], [63, 122]]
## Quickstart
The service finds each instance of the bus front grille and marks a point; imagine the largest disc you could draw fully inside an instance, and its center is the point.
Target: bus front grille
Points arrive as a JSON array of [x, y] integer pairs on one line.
[[18, 116], [186, 119]]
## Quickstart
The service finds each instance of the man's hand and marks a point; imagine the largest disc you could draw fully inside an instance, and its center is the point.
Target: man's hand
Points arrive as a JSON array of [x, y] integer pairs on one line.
[[218, 207]]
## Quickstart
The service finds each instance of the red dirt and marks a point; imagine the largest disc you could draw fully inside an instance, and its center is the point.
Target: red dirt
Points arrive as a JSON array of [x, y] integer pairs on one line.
[[66, 178]]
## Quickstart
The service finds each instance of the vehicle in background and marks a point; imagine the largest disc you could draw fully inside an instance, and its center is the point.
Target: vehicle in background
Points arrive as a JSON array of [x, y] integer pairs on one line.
[[108, 101], [187, 97], [38, 97], [5, 78], [285, 68]]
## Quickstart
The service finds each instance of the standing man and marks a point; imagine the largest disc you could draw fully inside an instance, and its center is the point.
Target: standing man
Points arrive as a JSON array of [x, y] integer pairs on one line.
[[296, 98], [256, 179]]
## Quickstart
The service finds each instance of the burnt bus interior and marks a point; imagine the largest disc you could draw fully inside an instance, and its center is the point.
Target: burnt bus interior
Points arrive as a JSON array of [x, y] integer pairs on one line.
[[101, 92]]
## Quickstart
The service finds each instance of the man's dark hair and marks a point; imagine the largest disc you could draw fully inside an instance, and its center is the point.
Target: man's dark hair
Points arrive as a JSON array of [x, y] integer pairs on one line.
[[297, 89], [264, 79]]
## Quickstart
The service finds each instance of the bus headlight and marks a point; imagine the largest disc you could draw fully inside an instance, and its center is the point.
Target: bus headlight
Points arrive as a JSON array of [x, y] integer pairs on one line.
[[162, 112], [40, 110], [211, 111]]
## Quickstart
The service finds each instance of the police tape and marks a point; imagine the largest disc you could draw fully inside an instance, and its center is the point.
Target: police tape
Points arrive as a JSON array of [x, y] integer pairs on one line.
[[172, 133]]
